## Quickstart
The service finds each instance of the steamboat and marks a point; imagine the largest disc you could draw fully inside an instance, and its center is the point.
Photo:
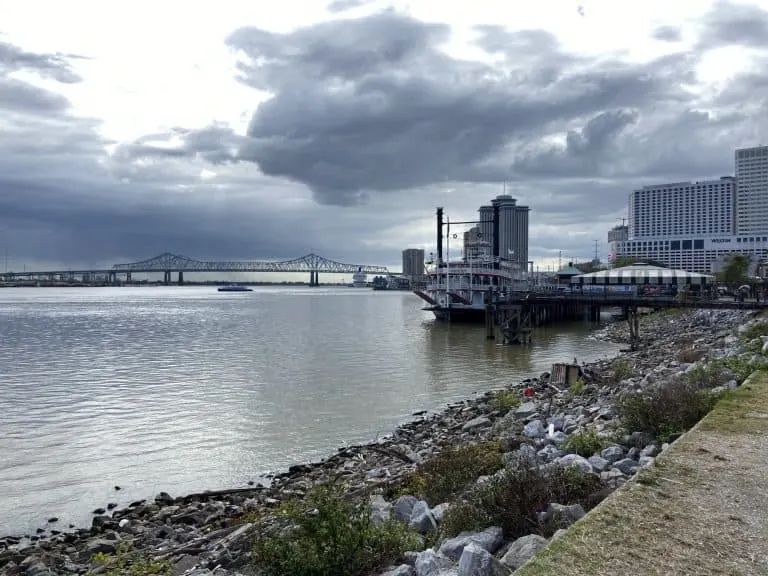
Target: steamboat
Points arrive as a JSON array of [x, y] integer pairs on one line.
[[457, 290]]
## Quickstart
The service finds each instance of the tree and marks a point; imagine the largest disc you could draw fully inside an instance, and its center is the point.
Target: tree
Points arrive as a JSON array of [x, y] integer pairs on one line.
[[734, 273], [621, 261]]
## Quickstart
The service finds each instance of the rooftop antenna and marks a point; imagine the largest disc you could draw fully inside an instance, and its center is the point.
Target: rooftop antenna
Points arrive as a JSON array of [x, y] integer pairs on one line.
[[623, 221]]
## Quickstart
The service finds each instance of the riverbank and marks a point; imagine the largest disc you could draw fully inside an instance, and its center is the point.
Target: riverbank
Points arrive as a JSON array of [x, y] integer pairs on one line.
[[700, 510], [215, 529]]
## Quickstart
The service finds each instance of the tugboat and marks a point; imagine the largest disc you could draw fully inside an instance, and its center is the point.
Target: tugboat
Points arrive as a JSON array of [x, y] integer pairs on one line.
[[234, 288]]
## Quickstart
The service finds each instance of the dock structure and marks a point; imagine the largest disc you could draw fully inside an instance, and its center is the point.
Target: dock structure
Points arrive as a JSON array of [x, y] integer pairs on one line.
[[516, 314]]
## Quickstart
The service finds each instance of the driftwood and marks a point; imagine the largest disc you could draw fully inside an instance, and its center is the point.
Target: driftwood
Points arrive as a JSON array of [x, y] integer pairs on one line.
[[224, 536], [394, 453]]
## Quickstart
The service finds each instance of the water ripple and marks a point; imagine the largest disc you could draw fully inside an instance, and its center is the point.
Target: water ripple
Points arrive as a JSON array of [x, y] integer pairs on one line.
[[185, 389]]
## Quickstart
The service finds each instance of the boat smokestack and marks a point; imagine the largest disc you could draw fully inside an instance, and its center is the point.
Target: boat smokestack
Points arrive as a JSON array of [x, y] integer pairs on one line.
[[496, 232], [439, 235]]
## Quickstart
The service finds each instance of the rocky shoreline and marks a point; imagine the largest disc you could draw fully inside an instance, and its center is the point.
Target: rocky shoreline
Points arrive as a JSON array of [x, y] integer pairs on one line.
[[211, 532]]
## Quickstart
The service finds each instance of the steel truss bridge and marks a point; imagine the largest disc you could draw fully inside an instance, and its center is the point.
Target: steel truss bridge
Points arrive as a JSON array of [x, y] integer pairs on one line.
[[169, 263]]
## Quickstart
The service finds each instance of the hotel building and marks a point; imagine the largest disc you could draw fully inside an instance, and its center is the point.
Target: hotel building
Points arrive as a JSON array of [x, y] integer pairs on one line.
[[695, 225]]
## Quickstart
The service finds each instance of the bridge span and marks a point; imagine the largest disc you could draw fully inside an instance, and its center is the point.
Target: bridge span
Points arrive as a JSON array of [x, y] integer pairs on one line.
[[169, 263]]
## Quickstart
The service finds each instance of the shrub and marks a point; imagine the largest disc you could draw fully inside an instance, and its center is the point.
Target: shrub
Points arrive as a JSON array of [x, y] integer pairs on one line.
[[585, 443], [504, 400], [755, 331], [452, 470], [126, 562], [577, 388], [328, 535], [666, 410], [690, 355], [711, 374], [622, 369], [512, 499]]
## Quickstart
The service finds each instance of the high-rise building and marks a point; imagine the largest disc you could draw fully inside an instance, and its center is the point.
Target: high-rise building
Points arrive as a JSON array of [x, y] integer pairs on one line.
[[513, 228], [683, 209], [413, 264], [752, 190], [486, 223], [616, 238]]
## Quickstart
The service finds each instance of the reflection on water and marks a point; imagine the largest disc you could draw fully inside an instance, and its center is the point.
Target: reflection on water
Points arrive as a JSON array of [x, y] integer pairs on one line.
[[184, 388]]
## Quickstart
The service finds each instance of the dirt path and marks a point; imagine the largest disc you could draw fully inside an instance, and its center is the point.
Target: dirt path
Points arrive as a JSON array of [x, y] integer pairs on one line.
[[701, 509]]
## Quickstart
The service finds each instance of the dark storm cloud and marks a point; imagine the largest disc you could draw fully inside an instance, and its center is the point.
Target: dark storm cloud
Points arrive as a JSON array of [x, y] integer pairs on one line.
[[667, 34], [734, 24], [373, 104]]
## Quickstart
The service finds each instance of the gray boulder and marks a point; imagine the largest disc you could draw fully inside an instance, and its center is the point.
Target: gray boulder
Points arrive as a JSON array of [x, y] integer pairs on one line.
[[475, 561], [489, 539], [402, 570], [522, 550], [403, 508], [422, 519], [431, 563]]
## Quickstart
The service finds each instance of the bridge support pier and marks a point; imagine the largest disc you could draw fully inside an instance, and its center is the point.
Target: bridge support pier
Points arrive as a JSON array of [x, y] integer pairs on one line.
[[167, 277], [127, 277], [181, 278], [314, 278]]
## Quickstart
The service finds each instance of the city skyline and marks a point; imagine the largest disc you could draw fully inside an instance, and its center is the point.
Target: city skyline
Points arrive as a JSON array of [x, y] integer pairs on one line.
[[226, 142]]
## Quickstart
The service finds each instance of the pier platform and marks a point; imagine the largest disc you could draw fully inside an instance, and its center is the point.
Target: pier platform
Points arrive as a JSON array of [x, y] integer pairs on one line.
[[516, 314]]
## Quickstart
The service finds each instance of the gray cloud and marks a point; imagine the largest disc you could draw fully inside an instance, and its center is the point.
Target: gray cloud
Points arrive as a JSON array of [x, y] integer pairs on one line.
[[54, 66], [732, 24], [368, 126], [343, 5], [667, 34]]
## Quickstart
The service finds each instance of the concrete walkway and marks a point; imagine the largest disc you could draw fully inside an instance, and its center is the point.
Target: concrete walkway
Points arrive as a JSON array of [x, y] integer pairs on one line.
[[701, 509]]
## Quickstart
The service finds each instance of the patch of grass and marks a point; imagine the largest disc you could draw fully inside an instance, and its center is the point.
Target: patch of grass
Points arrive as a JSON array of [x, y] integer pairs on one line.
[[755, 331], [743, 410], [452, 470], [504, 400], [622, 369], [666, 410], [328, 535], [512, 499], [577, 388], [127, 562], [585, 443]]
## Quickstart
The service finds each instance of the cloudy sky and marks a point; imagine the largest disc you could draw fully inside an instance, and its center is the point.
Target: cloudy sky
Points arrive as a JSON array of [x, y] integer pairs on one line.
[[236, 130]]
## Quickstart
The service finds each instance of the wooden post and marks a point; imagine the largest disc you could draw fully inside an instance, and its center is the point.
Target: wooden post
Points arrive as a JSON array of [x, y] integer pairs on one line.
[[489, 321]]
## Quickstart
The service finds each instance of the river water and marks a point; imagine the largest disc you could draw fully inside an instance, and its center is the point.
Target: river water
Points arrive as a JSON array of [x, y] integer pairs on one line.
[[185, 389]]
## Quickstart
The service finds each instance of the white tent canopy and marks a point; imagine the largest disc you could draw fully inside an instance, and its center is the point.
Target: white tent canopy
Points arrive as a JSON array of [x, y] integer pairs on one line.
[[642, 274]]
